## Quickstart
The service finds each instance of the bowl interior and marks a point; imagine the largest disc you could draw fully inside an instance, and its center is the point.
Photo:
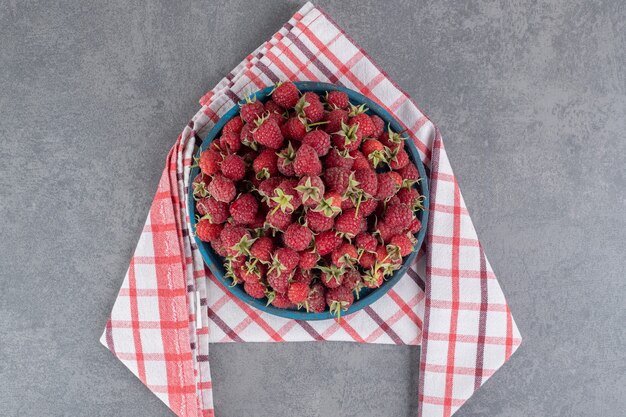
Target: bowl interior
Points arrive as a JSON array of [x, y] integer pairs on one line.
[[366, 296]]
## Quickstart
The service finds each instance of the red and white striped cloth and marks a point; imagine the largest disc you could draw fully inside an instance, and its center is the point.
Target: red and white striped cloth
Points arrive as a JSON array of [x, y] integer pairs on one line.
[[170, 307]]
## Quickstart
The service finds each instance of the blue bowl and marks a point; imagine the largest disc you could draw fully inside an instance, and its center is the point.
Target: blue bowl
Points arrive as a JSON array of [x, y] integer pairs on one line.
[[366, 296]]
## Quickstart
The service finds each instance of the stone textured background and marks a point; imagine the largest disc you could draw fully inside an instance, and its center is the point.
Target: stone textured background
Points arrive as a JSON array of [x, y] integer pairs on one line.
[[530, 97]]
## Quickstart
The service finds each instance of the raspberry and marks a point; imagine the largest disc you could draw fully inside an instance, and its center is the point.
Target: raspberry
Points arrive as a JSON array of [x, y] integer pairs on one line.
[[251, 110], [307, 161], [409, 174], [213, 210], [278, 281], [252, 271], [348, 224], [285, 197], [339, 299], [373, 278], [286, 94], [336, 179], [416, 226], [398, 216], [390, 138], [266, 187], [330, 205], [335, 119], [374, 151], [254, 289], [367, 207], [278, 219], [233, 167], [411, 197], [332, 276], [367, 260], [297, 237], [398, 158], [388, 185], [352, 280], [222, 189], [272, 107], [279, 300], [318, 140], [335, 158], [308, 260], [244, 209], [326, 242], [368, 181], [364, 123], [360, 161], [199, 185], [285, 161], [318, 221], [316, 300], [268, 134], [246, 137], [218, 247], [298, 292], [265, 164], [294, 129], [311, 190], [401, 245], [348, 138], [207, 231], [230, 141], [310, 106], [337, 100], [234, 125], [209, 162], [262, 249], [284, 260], [378, 123], [235, 239], [345, 255], [366, 242]]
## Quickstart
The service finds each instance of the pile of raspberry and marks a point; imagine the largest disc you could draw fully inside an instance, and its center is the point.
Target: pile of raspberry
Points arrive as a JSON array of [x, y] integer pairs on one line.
[[308, 198]]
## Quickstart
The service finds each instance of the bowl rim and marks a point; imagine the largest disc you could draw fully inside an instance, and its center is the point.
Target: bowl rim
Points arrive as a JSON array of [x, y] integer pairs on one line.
[[237, 291]]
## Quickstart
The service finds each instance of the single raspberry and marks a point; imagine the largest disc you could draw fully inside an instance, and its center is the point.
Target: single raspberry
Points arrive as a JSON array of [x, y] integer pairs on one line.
[[213, 210], [302, 275], [416, 226], [265, 164], [311, 190], [365, 242], [335, 119], [251, 110], [336, 158], [278, 220], [244, 209], [330, 205], [368, 181], [337, 100], [398, 215], [279, 300], [285, 160], [262, 249], [298, 292], [348, 224], [336, 179], [345, 255], [388, 185], [360, 161], [398, 158], [409, 174], [386, 232], [367, 260], [307, 161], [364, 123], [278, 118], [388, 259], [367, 207], [284, 260], [252, 271], [272, 107], [411, 197], [316, 300], [199, 185], [352, 281], [326, 242], [347, 203], [278, 281], [209, 162], [222, 189], [379, 125], [318, 140], [297, 237], [207, 231], [308, 260], [234, 125], [332, 276], [230, 142], [268, 133], [339, 300], [310, 106], [218, 247], [233, 167], [254, 289], [390, 138], [294, 129], [374, 151], [373, 278], [285, 197], [235, 239], [246, 137], [401, 245], [318, 221], [348, 138], [285, 94]]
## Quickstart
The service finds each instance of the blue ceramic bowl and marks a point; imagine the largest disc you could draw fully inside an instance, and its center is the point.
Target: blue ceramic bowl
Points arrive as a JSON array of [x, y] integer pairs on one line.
[[367, 296]]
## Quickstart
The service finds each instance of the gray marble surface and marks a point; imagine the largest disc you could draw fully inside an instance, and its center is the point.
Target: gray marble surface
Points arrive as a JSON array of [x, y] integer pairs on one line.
[[530, 97]]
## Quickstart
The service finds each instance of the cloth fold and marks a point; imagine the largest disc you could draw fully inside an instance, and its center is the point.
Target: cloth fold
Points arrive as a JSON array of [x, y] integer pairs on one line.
[[170, 307]]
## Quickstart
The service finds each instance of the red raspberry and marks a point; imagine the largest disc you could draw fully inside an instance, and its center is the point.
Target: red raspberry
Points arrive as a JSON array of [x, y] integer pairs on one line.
[[330, 205], [364, 123], [316, 300], [279, 300], [285, 161], [367, 260], [233, 167], [348, 223], [278, 281], [298, 292], [308, 260], [244, 209], [373, 278], [348, 138], [335, 118], [402, 244], [374, 151], [278, 219], [199, 185], [218, 247], [344, 255], [352, 280], [268, 134], [385, 231], [232, 237], [398, 158], [337, 100], [337, 179], [339, 300], [379, 125], [302, 275], [266, 187], [265, 164], [318, 221], [215, 211], [246, 137], [251, 110], [384, 256], [388, 185], [366, 242], [411, 197], [286, 94], [368, 181], [234, 125], [326, 242], [278, 118], [252, 271], [262, 249], [222, 189], [409, 173], [272, 107], [311, 190], [318, 140], [307, 162], [310, 106], [416, 226], [230, 142], [367, 207], [398, 215], [284, 260], [294, 129], [332, 276], [207, 231], [297, 237], [254, 289], [360, 161], [209, 162], [285, 197], [337, 159]]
